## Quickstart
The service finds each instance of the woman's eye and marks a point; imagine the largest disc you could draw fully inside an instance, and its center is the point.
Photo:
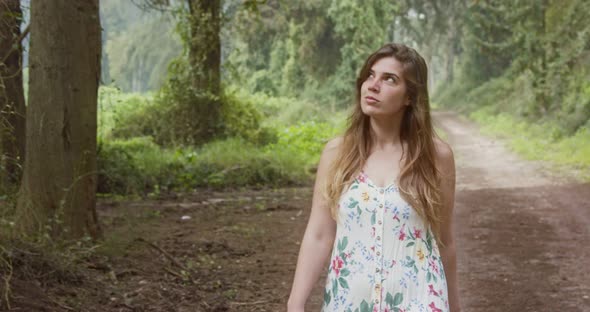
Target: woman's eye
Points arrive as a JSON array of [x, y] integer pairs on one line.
[[390, 79]]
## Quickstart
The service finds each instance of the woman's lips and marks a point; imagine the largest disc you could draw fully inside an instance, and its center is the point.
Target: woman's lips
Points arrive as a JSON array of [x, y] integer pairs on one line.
[[371, 99]]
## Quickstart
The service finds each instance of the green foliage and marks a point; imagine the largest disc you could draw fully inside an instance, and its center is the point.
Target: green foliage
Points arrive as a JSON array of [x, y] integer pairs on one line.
[[293, 79], [575, 108], [169, 116], [242, 119], [285, 50], [306, 139], [136, 165], [264, 144], [281, 111], [125, 115], [255, 152], [359, 40], [268, 105], [500, 94], [234, 162], [488, 45], [186, 115], [139, 166]]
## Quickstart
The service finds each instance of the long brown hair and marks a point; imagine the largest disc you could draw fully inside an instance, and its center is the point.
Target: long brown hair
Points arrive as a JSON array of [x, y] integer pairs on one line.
[[419, 178]]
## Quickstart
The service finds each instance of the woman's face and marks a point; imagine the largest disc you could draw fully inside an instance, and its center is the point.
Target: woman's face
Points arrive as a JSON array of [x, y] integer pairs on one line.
[[383, 93]]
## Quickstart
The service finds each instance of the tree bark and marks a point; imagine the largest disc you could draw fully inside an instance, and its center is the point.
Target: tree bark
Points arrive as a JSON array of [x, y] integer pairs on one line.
[[58, 189], [204, 57], [12, 100], [205, 45]]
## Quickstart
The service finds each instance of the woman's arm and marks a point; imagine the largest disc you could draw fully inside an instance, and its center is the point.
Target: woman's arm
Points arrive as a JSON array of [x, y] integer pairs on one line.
[[446, 164], [318, 238]]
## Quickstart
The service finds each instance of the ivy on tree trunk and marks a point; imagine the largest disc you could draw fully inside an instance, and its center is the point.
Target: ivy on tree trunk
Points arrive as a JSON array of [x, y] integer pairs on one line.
[[12, 100]]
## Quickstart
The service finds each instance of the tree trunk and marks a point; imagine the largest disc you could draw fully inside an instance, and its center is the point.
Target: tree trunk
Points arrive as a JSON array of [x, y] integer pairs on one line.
[[12, 99], [452, 44], [204, 56], [58, 189], [205, 45]]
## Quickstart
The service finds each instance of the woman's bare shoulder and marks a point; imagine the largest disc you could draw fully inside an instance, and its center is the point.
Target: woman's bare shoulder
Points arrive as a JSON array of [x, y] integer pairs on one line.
[[444, 152], [334, 143], [332, 146], [330, 151]]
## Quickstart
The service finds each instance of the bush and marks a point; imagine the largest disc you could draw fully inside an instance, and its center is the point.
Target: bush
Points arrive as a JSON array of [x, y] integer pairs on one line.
[[137, 166], [306, 139], [242, 119], [140, 166], [170, 119], [137, 116], [235, 162], [116, 111], [283, 110]]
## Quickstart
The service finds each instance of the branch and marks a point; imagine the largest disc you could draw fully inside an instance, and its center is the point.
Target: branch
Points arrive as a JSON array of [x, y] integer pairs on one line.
[[14, 46], [155, 5], [165, 253]]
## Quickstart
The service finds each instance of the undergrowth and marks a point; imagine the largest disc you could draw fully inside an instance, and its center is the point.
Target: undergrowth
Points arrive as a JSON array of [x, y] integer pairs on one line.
[[540, 141], [42, 263]]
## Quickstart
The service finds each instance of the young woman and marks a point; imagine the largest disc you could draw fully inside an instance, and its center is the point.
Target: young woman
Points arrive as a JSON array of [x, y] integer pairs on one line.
[[382, 208]]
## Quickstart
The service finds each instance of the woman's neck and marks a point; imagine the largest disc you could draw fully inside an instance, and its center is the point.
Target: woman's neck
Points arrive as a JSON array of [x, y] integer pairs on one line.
[[385, 133]]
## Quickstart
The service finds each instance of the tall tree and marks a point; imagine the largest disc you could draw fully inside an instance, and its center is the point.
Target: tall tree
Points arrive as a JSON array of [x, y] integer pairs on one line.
[[455, 10], [204, 45], [370, 30], [58, 189], [489, 41], [12, 100], [530, 36], [193, 88], [204, 68], [434, 27], [202, 39]]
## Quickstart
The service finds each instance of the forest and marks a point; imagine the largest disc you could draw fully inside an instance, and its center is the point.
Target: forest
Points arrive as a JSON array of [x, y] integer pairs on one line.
[[106, 105]]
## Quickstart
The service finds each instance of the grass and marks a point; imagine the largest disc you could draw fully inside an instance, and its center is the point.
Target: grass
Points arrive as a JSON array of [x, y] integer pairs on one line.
[[541, 141], [140, 166]]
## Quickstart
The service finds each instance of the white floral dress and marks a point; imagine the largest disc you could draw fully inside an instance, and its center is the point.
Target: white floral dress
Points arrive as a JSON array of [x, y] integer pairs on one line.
[[384, 257]]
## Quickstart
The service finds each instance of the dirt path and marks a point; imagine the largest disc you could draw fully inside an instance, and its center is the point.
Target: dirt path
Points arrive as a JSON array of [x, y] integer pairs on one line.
[[522, 240]]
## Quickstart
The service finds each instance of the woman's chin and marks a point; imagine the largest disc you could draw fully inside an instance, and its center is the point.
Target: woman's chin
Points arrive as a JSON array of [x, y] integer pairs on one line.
[[373, 112], [369, 110]]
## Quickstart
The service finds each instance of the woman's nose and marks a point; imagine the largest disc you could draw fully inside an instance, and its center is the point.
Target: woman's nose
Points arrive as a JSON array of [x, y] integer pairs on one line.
[[374, 85]]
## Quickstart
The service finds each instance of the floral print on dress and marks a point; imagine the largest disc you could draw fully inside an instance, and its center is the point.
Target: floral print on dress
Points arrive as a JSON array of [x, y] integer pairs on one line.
[[384, 259]]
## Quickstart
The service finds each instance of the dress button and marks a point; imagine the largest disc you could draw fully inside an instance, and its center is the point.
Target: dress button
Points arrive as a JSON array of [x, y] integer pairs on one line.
[[379, 222], [381, 206], [381, 191], [378, 253], [377, 270], [378, 237]]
